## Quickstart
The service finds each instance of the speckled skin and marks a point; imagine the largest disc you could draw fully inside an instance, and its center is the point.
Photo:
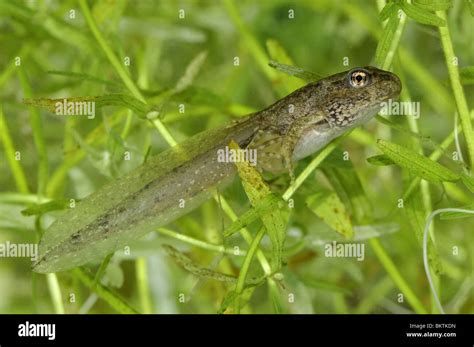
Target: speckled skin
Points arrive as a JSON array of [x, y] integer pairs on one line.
[[180, 179]]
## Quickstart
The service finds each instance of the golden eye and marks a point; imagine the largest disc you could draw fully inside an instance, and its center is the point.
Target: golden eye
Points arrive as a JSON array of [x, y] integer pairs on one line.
[[359, 78]]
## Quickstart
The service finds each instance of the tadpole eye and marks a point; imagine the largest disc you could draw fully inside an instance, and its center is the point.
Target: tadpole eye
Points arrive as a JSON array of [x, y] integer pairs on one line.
[[359, 78]]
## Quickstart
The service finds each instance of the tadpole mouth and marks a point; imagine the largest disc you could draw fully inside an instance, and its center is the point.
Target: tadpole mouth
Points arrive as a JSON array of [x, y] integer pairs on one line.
[[390, 83]]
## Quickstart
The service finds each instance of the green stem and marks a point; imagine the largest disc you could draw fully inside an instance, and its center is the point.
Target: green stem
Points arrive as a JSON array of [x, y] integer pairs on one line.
[[458, 91], [396, 277], [112, 298], [55, 291], [388, 59], [198, 243], [121, 70], [245, 268], [247, 236], [310, 168], [435, 155], [251, 42], [38, 136], [109, 53], [102, 268], [17, 170], [141, 268], [424, 187]]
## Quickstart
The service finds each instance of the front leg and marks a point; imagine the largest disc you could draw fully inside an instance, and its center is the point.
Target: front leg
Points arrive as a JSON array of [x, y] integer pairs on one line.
[[288, 146], [276, 146], [291, 138]]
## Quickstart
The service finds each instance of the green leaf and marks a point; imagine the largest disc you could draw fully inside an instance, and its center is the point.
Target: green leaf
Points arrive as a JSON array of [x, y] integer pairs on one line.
[[468, 182], [278, 53], [84, 77], [417, 163], [327, 206], [349, 188], [457, 215], [294, 71], [244, 297], [109, 296], [425, 140], [257, 190], [191, 72], [262, 207], [39, 209], [385, 42], [189, 265], [380, 160], [387, 11], [433, 5], [421, 15], [100, 101], [275, 297], [416, 217]]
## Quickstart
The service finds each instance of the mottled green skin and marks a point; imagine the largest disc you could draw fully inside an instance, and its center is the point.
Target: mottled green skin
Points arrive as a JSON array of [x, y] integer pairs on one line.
[[153, 194]]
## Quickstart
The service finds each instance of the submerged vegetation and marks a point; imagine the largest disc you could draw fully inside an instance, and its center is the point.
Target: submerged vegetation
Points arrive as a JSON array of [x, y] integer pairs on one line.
[[345, 236]]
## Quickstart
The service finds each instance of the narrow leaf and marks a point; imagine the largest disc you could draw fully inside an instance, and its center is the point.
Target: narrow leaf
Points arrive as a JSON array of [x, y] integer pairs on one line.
[[468, 182], [387, 11], [420, 15], [327, 206], [278, 53], [294, 71], [417, 163], [100, 101], [433, 5], [262, 207], [190, 73], [457, 215], [386, 39], [39, 209], [257, 190], [416, 215], [380, 160], [189, 265]]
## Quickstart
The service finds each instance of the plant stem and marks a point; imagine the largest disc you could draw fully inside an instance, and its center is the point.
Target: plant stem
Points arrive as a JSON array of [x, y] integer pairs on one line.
[[55, 291], [396, 277], [245, 234], [17, 170], [121, 70], [102, 268], [386, 63], [37, 128], [198, 243], [245, 268], [310, 168], [109, 53], [458, 91], [112, 298], [141, 268]]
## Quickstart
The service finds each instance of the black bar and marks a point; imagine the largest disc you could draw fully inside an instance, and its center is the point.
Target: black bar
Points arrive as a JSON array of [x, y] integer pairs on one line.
[[317, 330]]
